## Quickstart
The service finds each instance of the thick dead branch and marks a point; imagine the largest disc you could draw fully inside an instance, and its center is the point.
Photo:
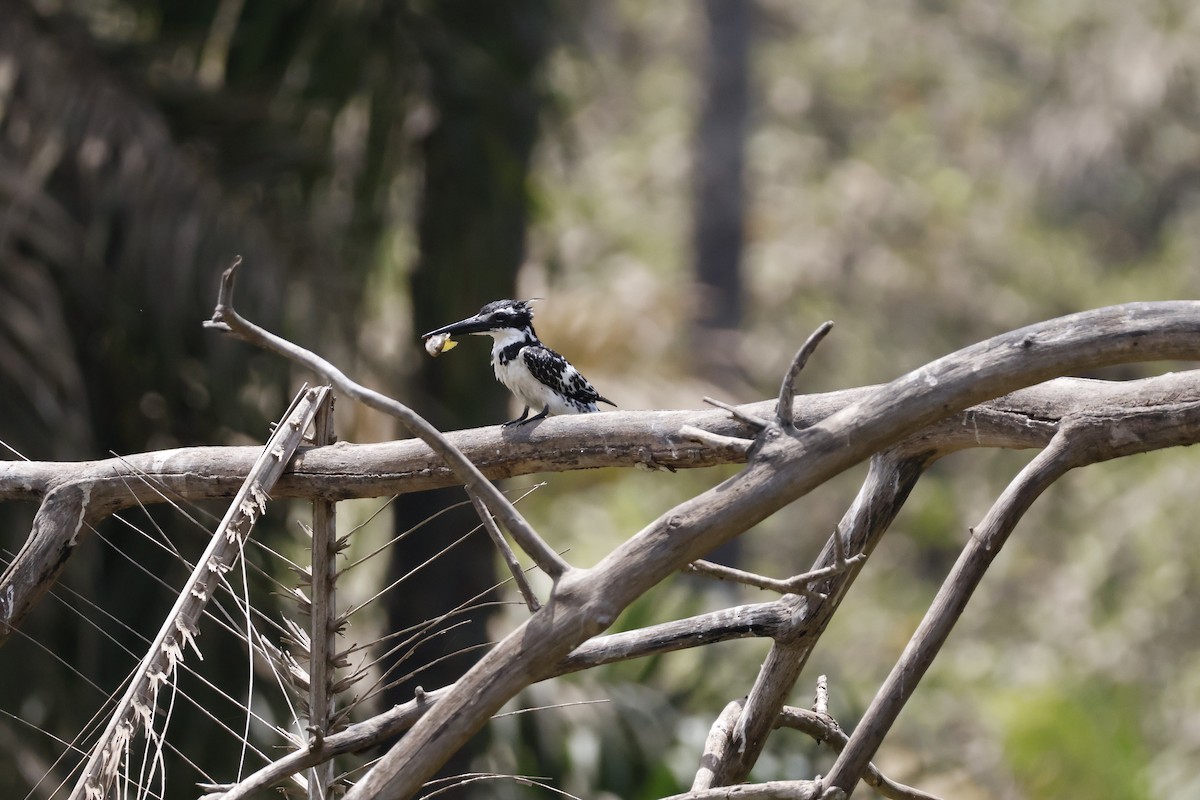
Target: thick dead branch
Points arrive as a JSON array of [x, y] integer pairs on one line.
[[1024, 419], [227, 319], [584, 602]]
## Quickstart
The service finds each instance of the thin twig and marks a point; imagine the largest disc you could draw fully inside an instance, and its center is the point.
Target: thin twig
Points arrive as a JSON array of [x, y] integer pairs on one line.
[[754, 422], [715, 440], [735, 575], [771, 790], [227, 319], [510, 558], [824, 728], [787, 391], [797, 584]]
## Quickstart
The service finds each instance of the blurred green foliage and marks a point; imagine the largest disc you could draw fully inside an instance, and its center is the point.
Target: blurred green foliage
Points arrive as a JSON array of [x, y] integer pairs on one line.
[[1077, 740]]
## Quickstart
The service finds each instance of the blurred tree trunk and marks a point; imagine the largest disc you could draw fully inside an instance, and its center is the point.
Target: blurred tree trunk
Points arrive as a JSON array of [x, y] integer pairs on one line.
[[719, 233], [718, 237], [483, 62]]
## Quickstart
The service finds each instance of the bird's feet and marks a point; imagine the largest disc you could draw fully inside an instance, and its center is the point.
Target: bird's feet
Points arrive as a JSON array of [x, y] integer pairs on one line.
[[521, 420], [518, 421]]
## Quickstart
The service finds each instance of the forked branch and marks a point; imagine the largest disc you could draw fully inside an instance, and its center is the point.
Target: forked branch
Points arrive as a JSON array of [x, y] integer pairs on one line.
[[585, 602], [227, 319]]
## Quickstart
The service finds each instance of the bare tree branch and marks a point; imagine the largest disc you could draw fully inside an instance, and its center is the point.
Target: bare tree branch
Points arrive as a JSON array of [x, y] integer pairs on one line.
[[757, 620], [227, 319], [77, 495], [716, 745], [771, 790], [890, 478], [902, 427], [584, 602], [1079, 442], [824, 728], [787, 391], [510, 558]]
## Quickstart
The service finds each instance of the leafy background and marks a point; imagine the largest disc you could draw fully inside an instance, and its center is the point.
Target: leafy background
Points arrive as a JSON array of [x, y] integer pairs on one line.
[[926, 174]]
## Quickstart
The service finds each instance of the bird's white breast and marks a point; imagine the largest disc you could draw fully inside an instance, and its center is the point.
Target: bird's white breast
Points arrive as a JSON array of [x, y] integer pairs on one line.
[[515, 375]]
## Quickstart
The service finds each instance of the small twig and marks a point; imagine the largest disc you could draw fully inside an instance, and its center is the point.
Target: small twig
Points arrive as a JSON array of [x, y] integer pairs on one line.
[[1059, 457], [787, 391], [724, 573], [803, 583], [771, 790], [510, 558], [754, 422], [798, 584], [716, 744], [821, 698], [227, 319], [824, 728], [715, 440]]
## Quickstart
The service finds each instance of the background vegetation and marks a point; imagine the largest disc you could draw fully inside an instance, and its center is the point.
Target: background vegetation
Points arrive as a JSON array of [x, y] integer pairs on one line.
[[924, 173]]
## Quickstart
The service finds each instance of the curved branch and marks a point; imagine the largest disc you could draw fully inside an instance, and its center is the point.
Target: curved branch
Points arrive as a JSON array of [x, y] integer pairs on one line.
[[1024, 419], [787, 391], [824, 728], [226, 318]]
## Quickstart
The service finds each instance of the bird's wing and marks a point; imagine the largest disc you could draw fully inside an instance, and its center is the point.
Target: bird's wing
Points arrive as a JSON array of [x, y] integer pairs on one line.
[[556, 372]]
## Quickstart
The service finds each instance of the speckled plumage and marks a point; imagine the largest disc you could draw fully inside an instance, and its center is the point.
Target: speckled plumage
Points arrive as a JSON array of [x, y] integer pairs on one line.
[[538, 376]]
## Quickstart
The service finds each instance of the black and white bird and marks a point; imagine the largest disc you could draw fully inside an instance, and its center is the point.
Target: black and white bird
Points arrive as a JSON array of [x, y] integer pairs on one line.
[[538, 376]]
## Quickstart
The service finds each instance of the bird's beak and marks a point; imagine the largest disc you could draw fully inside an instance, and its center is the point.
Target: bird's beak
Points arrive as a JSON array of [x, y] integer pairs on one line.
[[473, 324]]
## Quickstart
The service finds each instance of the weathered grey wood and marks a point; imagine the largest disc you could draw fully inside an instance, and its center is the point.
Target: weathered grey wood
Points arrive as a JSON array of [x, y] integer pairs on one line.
[[323, 615], [786, 465], [1080, 441], [755, 620], [890, 478], [920, 416]]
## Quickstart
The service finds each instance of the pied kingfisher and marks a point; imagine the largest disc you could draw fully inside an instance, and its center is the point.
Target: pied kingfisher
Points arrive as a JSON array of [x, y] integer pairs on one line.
[[538, 376]]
